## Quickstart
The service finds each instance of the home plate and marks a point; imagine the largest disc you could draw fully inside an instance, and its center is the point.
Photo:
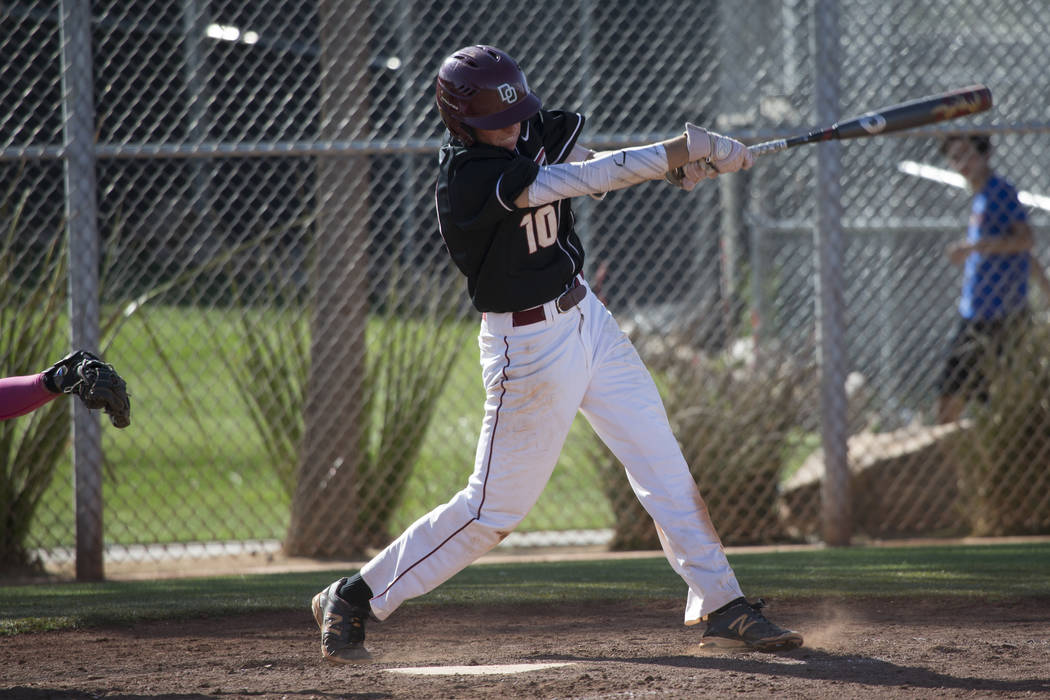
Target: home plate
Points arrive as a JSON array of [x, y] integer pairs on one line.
[[493, 670]]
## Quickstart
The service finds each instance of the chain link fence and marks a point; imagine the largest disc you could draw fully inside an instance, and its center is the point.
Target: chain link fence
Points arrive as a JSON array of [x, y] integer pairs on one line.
[[234, 203]]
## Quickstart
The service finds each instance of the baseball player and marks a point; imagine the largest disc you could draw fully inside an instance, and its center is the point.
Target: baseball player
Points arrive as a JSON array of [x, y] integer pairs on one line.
[[996, 259], [549, 348], [96, 383]]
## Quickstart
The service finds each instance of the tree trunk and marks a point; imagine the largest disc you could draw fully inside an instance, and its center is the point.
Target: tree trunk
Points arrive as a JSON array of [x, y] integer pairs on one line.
[[325, 503]]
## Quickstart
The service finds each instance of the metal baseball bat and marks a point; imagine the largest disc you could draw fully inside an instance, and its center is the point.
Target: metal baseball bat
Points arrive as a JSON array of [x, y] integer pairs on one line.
[[907, 115]]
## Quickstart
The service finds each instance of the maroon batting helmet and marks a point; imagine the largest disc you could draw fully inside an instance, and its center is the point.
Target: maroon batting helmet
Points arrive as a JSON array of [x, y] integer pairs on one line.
[[481, 87]]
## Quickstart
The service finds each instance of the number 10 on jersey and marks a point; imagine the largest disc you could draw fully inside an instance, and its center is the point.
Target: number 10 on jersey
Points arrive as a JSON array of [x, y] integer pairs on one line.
[[541, 227]]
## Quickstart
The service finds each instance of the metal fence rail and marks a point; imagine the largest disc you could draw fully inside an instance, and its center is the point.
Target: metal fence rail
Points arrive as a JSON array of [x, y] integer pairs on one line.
[[236, 200]]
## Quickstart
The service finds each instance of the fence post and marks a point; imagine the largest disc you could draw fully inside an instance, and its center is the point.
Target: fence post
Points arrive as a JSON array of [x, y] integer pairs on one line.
[[78, 127], [836, 504]]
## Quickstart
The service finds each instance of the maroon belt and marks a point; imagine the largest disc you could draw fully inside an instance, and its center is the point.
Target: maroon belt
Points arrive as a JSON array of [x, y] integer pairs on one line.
[[565, 302]]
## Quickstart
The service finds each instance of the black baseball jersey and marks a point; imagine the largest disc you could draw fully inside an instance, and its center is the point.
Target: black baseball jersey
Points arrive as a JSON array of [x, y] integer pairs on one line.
[[513, 258]]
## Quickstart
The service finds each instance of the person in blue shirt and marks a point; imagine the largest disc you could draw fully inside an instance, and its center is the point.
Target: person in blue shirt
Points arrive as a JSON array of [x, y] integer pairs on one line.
[[995, 256]]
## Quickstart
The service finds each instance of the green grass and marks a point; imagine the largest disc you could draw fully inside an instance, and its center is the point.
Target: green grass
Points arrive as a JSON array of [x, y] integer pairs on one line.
[[192, 454], [800, 445], [970, 571]]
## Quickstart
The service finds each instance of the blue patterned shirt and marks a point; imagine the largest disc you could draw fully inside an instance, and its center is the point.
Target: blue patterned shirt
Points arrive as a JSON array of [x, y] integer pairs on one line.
[[994, 285]]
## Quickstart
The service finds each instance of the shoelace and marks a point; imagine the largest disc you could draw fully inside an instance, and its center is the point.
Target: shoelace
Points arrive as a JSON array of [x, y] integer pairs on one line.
[[757, 607]]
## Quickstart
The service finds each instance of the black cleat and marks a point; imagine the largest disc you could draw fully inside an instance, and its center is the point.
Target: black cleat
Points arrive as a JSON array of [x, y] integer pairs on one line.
[[741, 625], [342, 626]]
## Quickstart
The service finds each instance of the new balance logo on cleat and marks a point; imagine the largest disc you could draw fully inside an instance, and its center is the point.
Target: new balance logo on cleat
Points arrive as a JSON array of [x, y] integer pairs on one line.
[[331, 623], [342, 626], [741, 625]]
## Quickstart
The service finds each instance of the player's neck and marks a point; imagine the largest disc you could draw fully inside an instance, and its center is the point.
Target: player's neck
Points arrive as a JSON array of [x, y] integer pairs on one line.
[[979, 179]]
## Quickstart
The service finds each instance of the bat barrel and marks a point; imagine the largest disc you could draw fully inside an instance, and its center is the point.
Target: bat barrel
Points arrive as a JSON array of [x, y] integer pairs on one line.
[[926, 110]]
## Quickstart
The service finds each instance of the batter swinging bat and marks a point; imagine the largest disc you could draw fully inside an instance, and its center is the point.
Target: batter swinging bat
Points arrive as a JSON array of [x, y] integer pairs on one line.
[[926, 110]]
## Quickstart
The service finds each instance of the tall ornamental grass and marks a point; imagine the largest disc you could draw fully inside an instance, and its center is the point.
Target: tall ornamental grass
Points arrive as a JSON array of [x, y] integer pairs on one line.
[[411, 349], [32, 323]]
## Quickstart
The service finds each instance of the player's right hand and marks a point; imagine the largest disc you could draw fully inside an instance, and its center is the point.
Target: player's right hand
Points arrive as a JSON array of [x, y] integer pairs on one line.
[[729, 155]]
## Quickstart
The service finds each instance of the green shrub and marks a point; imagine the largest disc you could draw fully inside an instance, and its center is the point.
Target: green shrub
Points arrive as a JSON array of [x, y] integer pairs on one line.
[[1005, 477], [735, 424]]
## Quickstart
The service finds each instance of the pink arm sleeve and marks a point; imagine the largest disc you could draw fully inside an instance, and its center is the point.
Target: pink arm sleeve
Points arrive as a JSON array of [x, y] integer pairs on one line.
[[20, 395]]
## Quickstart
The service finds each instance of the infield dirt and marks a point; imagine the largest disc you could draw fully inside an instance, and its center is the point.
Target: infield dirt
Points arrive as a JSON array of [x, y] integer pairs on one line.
[[870, 648]]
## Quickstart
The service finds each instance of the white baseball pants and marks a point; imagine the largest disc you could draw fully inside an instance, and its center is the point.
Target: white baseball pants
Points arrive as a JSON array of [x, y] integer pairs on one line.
[[536, 378]]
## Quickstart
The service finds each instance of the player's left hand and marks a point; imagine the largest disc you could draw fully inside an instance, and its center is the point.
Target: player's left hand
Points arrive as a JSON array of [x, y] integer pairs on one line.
[[96, 383], [687, 176], [958, 252], [725, 154]]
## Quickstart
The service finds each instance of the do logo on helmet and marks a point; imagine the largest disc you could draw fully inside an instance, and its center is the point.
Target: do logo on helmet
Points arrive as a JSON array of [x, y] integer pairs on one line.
[[508, 93]]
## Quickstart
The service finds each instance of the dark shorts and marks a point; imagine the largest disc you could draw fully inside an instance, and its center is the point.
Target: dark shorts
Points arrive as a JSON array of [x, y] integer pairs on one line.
[[976, 345]]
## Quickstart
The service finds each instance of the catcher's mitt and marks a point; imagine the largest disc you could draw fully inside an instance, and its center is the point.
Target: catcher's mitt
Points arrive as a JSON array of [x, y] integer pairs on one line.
[[95, 382]]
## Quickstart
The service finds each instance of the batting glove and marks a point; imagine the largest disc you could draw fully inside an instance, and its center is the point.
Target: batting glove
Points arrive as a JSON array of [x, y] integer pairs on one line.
[[687, 176], [725, 154]]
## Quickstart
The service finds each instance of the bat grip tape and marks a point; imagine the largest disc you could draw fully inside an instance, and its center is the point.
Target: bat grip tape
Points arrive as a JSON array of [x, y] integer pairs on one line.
[[761, 149]]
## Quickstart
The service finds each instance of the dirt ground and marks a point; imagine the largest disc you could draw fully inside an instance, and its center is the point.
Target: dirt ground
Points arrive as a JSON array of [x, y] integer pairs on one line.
[[872, 648]]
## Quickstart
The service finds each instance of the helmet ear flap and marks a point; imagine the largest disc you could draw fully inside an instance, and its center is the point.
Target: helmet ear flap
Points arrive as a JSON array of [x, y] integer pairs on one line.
[[460, 130]]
